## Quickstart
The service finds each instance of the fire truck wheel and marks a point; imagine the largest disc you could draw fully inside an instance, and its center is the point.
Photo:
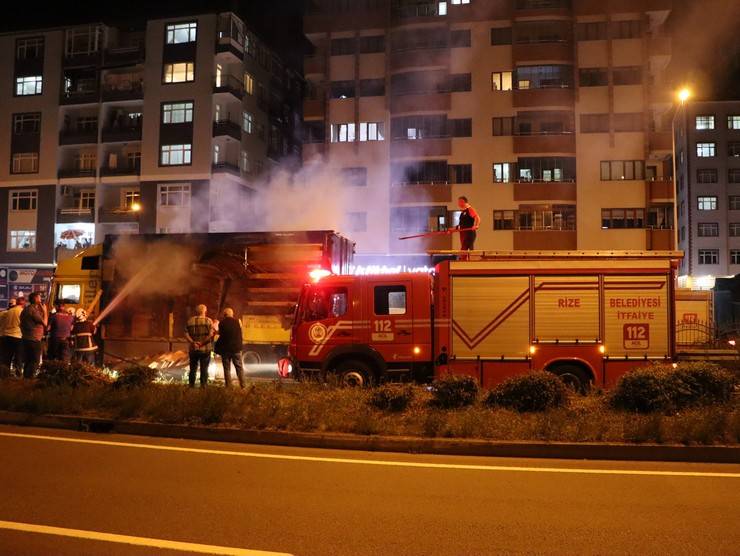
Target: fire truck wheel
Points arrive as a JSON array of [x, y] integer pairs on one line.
[[354, 373], [573, 376], [251, 357]]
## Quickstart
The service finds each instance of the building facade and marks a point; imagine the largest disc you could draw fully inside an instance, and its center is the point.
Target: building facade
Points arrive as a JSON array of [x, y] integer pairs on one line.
[[551, 116], [167, 128], [707, 138]]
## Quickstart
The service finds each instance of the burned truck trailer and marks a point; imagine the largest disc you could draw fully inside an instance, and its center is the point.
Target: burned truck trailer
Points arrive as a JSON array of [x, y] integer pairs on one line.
[[258, 274]]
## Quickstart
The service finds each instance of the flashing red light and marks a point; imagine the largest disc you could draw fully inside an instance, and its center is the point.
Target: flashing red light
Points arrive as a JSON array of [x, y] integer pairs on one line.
[[319, 273]]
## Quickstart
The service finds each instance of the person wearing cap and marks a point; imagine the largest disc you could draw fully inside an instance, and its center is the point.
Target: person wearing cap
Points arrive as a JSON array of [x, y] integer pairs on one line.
[[33, 321], [83, 332]]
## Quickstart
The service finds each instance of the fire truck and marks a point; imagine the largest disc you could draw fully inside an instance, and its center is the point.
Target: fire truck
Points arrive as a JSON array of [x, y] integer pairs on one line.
[[587, 317]]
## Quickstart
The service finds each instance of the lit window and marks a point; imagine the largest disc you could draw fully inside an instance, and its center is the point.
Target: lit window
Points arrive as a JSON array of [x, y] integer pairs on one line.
[[248, 84], [174, 195], [175, 155], [27, 86], [733, 122], [342, 133], [25, 163], [442, 10], [177, 112], [458, 2], [705, 150], [248, 122], [23, 200], [130, 197], [245, 162], [371, 131], [179, 33], [179, 73], [504, 172], [707, 203], [622, 170], [501, 81], [705, 122], [22, 240]]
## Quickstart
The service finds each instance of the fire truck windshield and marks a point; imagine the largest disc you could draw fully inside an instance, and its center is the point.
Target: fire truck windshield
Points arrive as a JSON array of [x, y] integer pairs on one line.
[[320, 303]]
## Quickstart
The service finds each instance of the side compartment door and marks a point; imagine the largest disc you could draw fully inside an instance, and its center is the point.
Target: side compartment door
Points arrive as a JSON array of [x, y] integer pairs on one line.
[[391, 318]]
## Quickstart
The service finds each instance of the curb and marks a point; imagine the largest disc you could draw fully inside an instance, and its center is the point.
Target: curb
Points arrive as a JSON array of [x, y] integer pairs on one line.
[[341, 441]]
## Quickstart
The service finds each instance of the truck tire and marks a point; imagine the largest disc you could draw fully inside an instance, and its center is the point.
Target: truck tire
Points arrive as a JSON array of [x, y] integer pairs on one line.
[[574, 376], [354, 373], [251, 357]]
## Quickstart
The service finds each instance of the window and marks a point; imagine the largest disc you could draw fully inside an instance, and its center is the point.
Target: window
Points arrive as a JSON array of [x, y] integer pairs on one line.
[[630, 75], [354, 176], [342, 47], [373, 44], [23, 200], [419, 127], [25, 163], [390, 300], [622, 170], [707, 229], [178, 33], [705, 122], [733, 149], [181, 72], [342, 89], [372, 87], [500, 35], [28, 86], [244, 162], [371, 131], [706, 175], [177, 112], [630, 121], [174, 195], [459, 2], [460, 38], [29, 48], [504, 172], [705, 150], [734, 256], [593, 77], [543, 77], [503, 219], [734, 202], [323, 303], [460, 82], [27, 123], [460, 173], [501, 81], [708, 256], [22, 240], [618, 218], [503, 126], [733, 121], [70, 293], [86, 161], [708, 202], [460, 127], [734, 229], [592, 31], [248, 122], [545, 169], [357, 221], [130, 197], [175, 155], [314, 131], [342, 133], [594, 123], [248, 83], [733, 175], [625, 29]]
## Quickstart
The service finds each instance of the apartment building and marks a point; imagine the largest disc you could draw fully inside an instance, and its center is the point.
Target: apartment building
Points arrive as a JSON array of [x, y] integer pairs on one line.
[[167, 128], [552, 116], [707, 139]]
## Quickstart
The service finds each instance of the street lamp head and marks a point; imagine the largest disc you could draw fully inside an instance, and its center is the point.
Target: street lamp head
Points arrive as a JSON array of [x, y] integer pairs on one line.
[[683, 94]]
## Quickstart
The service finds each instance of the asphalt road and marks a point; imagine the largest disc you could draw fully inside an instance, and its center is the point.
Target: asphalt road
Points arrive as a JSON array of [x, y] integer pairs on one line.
[[313, 502]]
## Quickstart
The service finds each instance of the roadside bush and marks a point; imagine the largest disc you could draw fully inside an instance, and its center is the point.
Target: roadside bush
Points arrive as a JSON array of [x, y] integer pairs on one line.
[[665, 389], [538, 391], [454, 391], [75, 374], [4, 371], [135, 376], [392, 397]]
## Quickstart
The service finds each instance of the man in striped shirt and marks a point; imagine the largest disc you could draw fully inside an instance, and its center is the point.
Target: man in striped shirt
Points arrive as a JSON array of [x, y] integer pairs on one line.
[[199, 333]]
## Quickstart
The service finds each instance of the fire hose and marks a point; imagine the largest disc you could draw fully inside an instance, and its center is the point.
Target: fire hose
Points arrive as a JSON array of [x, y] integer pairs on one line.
[[439, 233]]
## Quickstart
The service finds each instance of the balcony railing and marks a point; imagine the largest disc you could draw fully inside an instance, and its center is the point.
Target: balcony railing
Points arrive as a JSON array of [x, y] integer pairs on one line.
[[229, 84], [123, 56], [76, 173], [229, 167], [79, 97], [227, 127], [133, 90], [124, 170], [117, 214], [70, 215], [78, 136], [121, 134]]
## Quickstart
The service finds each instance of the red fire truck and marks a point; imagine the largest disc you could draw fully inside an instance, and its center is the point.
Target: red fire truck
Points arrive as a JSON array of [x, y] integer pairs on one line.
[[588, 317]]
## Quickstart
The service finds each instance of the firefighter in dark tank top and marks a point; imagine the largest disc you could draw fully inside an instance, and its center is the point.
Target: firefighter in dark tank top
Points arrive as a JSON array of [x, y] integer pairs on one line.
[[469, 223]]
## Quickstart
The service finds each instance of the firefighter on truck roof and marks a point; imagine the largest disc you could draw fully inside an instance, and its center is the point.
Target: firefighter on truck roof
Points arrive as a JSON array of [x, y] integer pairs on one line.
[[468, 224]]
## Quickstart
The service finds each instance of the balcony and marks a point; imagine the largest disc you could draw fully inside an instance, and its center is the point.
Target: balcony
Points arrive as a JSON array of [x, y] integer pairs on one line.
[[660, 239], [230, 85], [117, 214], [72, 215], [551, 51], [531, 8], [545, 191], [85, 59], [555, 96], [545, 240], [133, 90], [124, 170], [545, 143], [660, 141], [661, 191], [124, 56], [419, 58], [76, 173], [425, 102], [79, 97], [421, 193], [227, 127], [78, 136], [441, 146], [227, 167], [121, 134]]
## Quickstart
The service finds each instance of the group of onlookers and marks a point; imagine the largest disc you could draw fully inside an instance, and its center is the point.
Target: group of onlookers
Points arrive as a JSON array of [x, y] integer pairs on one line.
[[26, 323], [201, 332]]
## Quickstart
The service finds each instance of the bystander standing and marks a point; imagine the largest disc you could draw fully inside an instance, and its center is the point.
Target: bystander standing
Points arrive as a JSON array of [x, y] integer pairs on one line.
[[33, 321], [199, 333], [229, 346], [60, 334], [12, 342]]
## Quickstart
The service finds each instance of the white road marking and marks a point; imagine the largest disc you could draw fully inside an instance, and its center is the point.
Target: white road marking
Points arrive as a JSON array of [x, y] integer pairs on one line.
[[386, 463], [136, 541]]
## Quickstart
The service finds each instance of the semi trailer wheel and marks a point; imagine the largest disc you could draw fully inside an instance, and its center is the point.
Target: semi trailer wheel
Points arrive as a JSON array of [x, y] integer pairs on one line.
[[574, 376], [354, 373]]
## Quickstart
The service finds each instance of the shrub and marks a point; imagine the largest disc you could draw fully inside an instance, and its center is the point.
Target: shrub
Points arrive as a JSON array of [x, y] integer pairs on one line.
[[75, 374], [538, 391], [392, 397], [135, 376], [4, 370], [663, 388], [454, 391]]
